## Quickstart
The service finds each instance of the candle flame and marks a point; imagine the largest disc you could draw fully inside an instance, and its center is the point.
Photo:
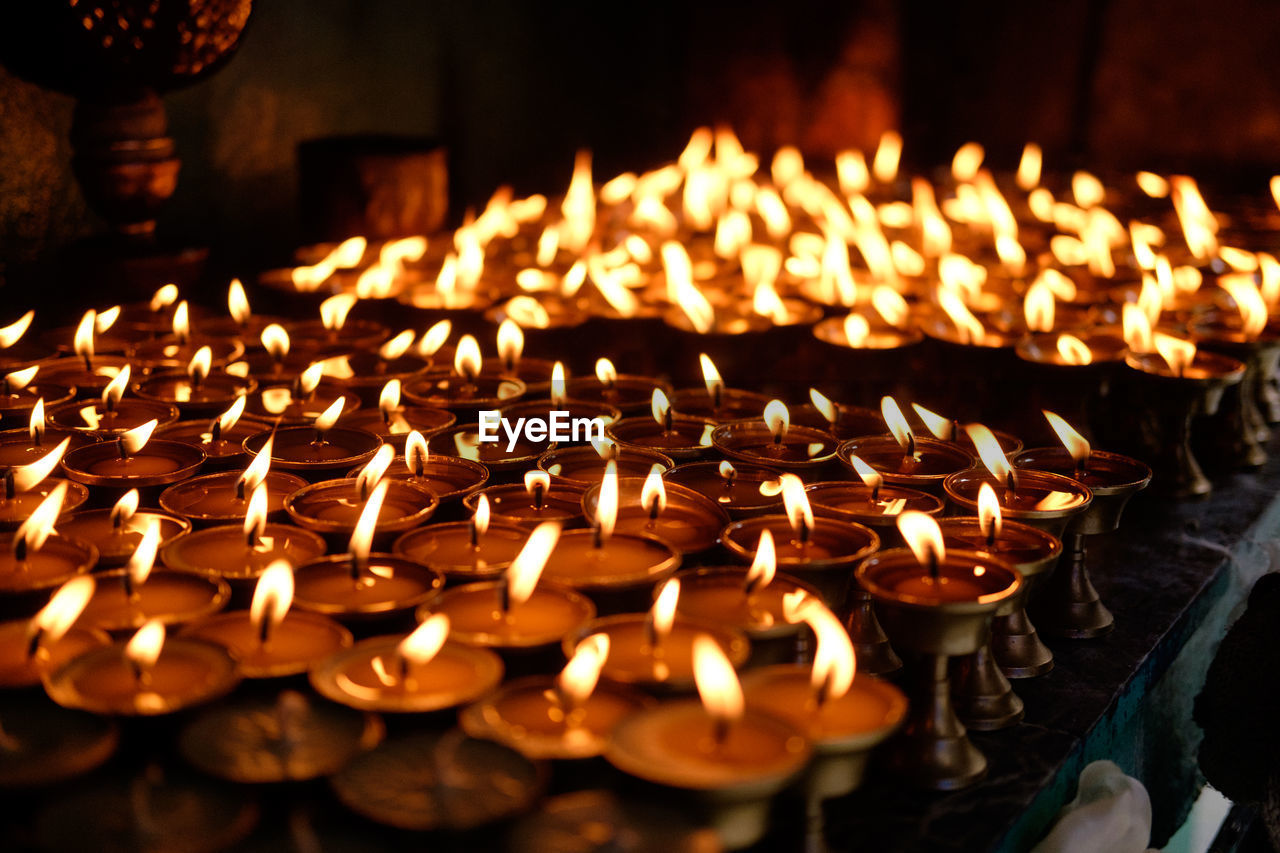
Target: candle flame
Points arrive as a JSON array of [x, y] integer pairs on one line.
[[1177, 352], [228, 419], [334, 310], [968, 327], [39, 525], [1073, 350], [256, 471], [466, 359], [389, 399], [681, 290], [897, 423], [35, 427], [1199, 225], [397, 346], [727, 471], [26, 477], [536, 479], [255, 515], [558, 384], [890, 305], [990, 452], [416, 453], [967, 161], [1028, 177], [1038, 308], [580, 675], [164, 297], [660, 405], [717, 683], [238, 302], [764, 565], [777, 419], [375, 469], [361, 543], [1137, 329], [182, 322], [510, 343], [796, 503], [124, 508], [1075, 443], [200, 365], [526, 568], [143, 559], [115, 388], [12, 333], [1152, 184], [923, 536], [1249, 302], [990, 519], [834, 663], [136, 439], [271, 597], [653, 495], [606, 372], [824, 405], [55, 619], [106, 319], [348, 253], [425, 642], [869, 476], [19, 379], [607, 502], [84, 335], [662, 615], [938, 426], [884, 165], [856, 329], [710, 376], [434, 338], [326, 419], [275, 340], [480, 518], [852, 173], [143, 649]]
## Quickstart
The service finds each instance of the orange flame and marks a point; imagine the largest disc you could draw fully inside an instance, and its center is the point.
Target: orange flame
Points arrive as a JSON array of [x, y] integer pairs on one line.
[[653, 495], [888, 153], [115, 388], [856, 329], [1137, 329], [182, 323], [375, 469], [717, 683], [1073, 350], [558, 384], [326, 419], [26, 477], [1178, 353], [662, 615], [38, 526], [480, 518], [1039, 308], [1152, 184], [135, 439], [275, 340], [35, 426], [607, 502], [124, 508], [12, 333], [580, 675], [143, 558], [238, 302], [1077, 445], [990, 453], [1028, 177], [869, 476], [897, 423], [466, 359], [271, 598], [361, 543], [510, 343], [434, 338], [834, 663], [334, 310], [416, 453], [777, 419], [526, 568], [937, 425], [200, 365], [1249, 302], [990, 519], [425, 642], [255, 516], [824, 405], [143, 649], [923, 536], [55, 619], [796, 503], [164, 297], [764, 565]]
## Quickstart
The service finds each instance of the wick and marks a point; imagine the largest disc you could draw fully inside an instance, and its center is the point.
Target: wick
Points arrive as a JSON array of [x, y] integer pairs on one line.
[[37, 437], [386, 416], [251, 538], [934, 568], [110, 403], [875, 493], [955, 431], [717, 397], [127, 581], [510, 362], [804, 532], [8, 484], [1011, 486], [728, 480], [653, 511], [651, 637], [143, 678], [356, 569], [34, 644], [5, 381], [240, 486], [121, 449], [597, 537], [823, 691], [20, 549], [319, 438], [264, 631], [88, 362], [991, 535], [504, 598], [215, 431], [1081, 466], [911, 445], [667, 420], [404, 671], [196, 380], [537, 496], [720, 732], [475, 533]]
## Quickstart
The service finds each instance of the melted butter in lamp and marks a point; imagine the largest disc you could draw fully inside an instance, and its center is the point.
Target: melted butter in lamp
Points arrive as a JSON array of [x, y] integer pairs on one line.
[[298, 641], [476, 613], [787, 692], [943, 588]]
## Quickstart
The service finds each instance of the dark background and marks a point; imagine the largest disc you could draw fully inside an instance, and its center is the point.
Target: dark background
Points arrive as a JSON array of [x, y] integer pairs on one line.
[[514, 88]]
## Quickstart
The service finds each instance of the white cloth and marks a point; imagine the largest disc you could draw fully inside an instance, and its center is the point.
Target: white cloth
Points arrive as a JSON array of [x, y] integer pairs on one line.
[[1110, 814]]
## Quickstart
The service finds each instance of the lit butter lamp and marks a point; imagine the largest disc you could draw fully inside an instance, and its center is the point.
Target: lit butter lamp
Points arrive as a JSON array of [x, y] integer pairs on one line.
[[843, 713], [274, 738], [841, 420], [981, 690], [26, 486], [654, 650], [114, 414], [539, 498], [181, 347], [937, 604], [584, 465], [558, 400], [628, 393], [35, 558], [221, 439], [681, 437], [335, 330], [502, 462], [815, 549], [615, 569], [476, 549], [363, 585], [717, 402], [116, 532], [319, 451], [275, 361], [393, 422], [199, 391], [269, 640], [749, 600], [682, 517], [47, 640], [775, 442], [302, 400], [393, 360], [127, 597], [223, 497], [90, 371], [1068, 605], [535, 373], [451, 478], [20, 393], [240, 322], [239, 552], [146, 675], [15, 351], [743, 490], [1177, 381], [467, 388], [332, 507], [946, 429], [566, 717], [862, 353], [132, 460], [714, 755], [1039, 498], [26, 445], [521, 615], [903, 458], [417, 673]]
